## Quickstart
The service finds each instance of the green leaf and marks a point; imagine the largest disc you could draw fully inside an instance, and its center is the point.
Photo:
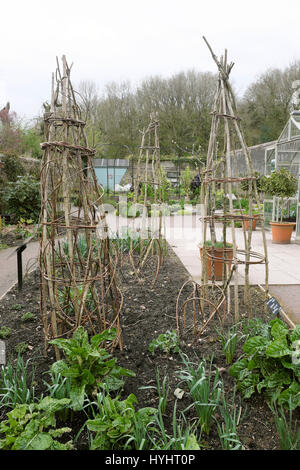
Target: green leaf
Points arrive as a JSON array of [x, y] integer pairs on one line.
[[295, 334], [290, 396], [77, 396], [278, 348], [247, 385], [52, 405], [192, 443], [239, 369], [41, 441], [256, 344], [107, 335], [278, 329]]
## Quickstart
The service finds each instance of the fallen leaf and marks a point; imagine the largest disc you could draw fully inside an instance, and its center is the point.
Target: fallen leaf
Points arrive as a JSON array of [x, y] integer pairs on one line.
[[179, 393]]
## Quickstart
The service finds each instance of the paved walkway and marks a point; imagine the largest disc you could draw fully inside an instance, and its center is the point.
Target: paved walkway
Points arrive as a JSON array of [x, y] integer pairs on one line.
[[8, 265], [184, 235]]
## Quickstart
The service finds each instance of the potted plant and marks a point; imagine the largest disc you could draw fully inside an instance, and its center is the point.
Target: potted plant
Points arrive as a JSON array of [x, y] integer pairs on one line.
[[221, 253], [255, 213], [282, 184]]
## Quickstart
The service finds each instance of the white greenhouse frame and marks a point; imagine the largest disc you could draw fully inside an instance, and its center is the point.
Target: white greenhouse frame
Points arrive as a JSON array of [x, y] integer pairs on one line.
[[285, 153]]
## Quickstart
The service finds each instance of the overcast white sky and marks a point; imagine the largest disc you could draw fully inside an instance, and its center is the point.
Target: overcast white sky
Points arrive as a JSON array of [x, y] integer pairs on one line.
[[132, 39]]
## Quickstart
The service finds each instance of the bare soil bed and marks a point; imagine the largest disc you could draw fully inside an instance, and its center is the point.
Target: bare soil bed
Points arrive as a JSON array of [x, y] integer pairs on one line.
[[147, 312]]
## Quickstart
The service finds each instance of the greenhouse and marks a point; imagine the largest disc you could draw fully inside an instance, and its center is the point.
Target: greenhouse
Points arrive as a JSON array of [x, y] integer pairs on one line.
[[285, 153]]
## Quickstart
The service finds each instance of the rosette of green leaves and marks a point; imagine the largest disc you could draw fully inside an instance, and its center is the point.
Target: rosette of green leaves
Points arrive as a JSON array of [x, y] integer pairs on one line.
[[115, 421], [88, 365], [166, 342], [271, 364], [33, 427]]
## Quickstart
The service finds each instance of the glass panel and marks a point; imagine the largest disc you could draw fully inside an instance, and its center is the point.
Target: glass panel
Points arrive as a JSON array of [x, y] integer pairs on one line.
[[285, 133], [268, 212], [295, 130]]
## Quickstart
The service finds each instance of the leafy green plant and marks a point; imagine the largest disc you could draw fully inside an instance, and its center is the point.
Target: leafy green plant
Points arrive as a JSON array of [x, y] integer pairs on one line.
[[5, 332], [17, 307], [59, 387], [28, 316], [114, 421], [17, 384], [88, 365], [281, 183], [208, 243], [271, 364], [22, 198], [205, 389], [21, 347], [166, 342], [260, 180], [33, 427]]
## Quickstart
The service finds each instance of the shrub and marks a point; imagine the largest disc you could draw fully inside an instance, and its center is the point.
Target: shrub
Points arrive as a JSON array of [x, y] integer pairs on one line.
[[22, 198], [281, 183]]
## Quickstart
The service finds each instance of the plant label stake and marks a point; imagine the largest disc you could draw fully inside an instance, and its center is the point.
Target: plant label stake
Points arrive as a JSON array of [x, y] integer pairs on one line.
[[274, 306], [2, 353]]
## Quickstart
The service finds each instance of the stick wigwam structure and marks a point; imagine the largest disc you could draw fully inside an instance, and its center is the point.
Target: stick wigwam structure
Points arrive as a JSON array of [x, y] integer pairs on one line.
[[149, 178], [221, 174], [78, 275]]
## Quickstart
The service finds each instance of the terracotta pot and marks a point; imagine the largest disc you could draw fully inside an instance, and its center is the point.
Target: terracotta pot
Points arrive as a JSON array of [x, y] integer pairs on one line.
[[254, 222], [282, 232], [220, 253]]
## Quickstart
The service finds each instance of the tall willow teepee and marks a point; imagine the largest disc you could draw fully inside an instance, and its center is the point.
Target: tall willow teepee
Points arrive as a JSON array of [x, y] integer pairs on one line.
[[221, 173], [149, 194], [213, 294], [78, 282]]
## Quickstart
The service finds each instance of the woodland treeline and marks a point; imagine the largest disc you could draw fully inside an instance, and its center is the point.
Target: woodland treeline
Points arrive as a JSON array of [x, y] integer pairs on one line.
[[184, 102]]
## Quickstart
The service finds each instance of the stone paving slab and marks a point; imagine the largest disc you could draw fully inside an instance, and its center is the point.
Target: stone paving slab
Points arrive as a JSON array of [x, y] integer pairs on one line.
[[8, 265], [289, 298]]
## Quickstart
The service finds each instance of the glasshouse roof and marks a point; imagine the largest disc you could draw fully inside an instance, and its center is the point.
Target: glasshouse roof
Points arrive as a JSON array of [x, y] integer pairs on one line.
[[292, 127]]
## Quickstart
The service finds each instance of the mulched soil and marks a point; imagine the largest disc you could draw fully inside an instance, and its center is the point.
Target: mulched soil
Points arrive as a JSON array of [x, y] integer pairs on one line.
[[147, 312]]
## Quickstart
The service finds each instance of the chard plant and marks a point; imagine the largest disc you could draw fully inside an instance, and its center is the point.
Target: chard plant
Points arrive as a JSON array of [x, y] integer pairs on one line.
[[114, 422], [88, 366], [271, 364], [33, 427]]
